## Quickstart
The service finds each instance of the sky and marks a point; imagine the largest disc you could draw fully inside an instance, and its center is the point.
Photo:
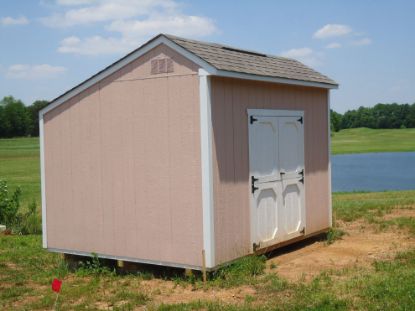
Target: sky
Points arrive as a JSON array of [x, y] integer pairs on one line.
[[368, 47]]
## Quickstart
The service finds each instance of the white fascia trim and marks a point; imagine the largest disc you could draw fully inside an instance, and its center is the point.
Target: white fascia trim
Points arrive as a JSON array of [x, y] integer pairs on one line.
[[206, 164], [141, 51], [329, 155], [128, 259], [275, 113], [247, 76], [42, 181]]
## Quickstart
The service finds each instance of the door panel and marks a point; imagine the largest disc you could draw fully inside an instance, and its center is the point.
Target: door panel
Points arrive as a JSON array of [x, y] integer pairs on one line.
[[291, 142], [264, 162], [276, 158], [267, 212], [292, 196]]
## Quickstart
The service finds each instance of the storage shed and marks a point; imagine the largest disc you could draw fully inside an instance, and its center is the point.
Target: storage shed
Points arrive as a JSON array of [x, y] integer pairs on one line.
[[185, 152]]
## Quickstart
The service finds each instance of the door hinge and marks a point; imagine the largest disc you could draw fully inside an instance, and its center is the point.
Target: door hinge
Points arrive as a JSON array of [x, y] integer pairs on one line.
[[255, 246], [301, 173], [253, 188], [301, 180], [252, 119], [302, 231], [300, 120]]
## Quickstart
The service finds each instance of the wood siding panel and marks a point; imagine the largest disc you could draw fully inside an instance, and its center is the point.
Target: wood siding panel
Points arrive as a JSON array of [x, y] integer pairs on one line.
[[122, 163], [230, 100]]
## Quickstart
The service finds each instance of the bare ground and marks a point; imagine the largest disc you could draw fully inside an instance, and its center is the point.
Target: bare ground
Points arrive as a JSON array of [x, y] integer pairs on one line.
[[362, 244]]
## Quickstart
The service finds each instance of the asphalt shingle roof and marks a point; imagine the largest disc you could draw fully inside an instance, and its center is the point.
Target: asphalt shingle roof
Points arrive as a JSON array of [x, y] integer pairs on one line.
[[228, 58]]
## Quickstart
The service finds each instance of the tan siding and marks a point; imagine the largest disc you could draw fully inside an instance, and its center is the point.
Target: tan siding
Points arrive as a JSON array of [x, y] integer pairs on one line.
[[230, 100], [122, 164]]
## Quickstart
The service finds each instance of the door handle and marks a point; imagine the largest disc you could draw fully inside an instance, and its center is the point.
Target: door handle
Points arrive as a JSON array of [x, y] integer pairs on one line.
[[253, 188]]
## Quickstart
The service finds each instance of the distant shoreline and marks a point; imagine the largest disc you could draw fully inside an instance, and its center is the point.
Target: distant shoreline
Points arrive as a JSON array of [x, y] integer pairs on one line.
[[365, 140]]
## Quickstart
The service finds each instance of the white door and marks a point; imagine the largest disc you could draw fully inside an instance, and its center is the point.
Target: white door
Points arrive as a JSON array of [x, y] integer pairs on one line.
[[276, 157]]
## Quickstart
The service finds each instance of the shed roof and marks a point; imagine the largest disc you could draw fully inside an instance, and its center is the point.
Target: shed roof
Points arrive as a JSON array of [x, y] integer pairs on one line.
[[233, 59], [217, 59]]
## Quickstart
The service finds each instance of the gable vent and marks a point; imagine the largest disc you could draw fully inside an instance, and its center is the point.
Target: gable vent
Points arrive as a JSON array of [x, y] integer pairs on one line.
[[161, 65]]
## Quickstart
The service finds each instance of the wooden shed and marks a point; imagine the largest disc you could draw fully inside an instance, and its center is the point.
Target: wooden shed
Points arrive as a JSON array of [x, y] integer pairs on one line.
[[184, 148]]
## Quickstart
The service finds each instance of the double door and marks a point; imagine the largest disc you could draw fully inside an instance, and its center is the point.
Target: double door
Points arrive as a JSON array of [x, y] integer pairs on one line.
[[276, 159]]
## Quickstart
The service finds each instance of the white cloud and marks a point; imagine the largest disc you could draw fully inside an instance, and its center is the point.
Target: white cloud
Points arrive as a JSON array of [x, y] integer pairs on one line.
[[363, 41], [182, 25], [75, 2], [304, 55], [105, 10], [130, 21], [332, 30], [43, 71], [333, 45], [9, 21], [96, 45]]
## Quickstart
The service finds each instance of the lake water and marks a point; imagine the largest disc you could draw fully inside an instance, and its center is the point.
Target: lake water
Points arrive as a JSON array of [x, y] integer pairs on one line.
[[373, 171]]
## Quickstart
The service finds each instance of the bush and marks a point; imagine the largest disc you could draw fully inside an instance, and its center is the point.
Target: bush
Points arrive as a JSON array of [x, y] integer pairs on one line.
[[9, 206], [11, 216], [30, 222]]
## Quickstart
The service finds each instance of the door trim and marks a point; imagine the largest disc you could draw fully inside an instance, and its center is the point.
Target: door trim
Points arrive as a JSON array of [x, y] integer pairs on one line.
[[274, 113], [269, 113]]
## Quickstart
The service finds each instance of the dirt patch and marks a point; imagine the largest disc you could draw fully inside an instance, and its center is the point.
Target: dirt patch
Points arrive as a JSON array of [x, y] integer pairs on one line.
[[362, 244], [169, 292], [399, 213]]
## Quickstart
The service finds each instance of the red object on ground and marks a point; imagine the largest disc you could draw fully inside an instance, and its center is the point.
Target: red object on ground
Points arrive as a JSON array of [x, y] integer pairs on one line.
[[56, 285]]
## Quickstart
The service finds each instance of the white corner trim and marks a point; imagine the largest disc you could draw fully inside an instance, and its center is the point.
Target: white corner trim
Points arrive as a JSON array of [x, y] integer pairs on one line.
[[123, 62], [42, 181], [248, 76], [329, 164], [206, 164]]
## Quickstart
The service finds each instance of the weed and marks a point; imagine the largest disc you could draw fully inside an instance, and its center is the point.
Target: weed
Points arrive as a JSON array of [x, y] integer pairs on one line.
[[249, 299], [334, 234], [241, 271], [93, 267]]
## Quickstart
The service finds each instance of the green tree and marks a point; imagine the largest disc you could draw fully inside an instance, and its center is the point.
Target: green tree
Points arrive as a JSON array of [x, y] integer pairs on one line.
[[17, 116], [335, 121], [34, 115]]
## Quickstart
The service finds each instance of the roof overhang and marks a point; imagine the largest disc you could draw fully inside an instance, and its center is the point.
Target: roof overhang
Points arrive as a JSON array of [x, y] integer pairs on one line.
[[161, 39]]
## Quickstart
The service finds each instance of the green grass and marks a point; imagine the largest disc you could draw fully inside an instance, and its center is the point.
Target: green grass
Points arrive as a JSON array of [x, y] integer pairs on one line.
[[363, 140], [367, 205], [20, 166]]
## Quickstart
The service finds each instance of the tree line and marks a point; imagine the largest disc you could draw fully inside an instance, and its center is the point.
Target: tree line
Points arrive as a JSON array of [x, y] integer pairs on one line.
[[17, 119], [381, 116]]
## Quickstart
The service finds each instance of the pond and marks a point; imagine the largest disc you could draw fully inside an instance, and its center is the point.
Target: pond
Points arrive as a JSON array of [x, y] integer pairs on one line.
[[373, 171]]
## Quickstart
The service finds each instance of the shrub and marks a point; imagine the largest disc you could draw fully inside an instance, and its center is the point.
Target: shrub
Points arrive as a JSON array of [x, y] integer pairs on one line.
[[30, 222], [10, 215], [9, 205]]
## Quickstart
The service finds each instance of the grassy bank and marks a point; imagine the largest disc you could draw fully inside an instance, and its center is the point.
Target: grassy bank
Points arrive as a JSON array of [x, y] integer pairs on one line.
[[363, 140]]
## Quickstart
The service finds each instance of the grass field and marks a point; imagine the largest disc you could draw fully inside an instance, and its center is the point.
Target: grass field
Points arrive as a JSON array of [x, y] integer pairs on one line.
[[363, 140], [20, 166]]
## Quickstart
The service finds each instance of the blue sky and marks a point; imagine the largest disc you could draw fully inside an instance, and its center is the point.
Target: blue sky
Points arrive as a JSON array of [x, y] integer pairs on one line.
[[368, 47]]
